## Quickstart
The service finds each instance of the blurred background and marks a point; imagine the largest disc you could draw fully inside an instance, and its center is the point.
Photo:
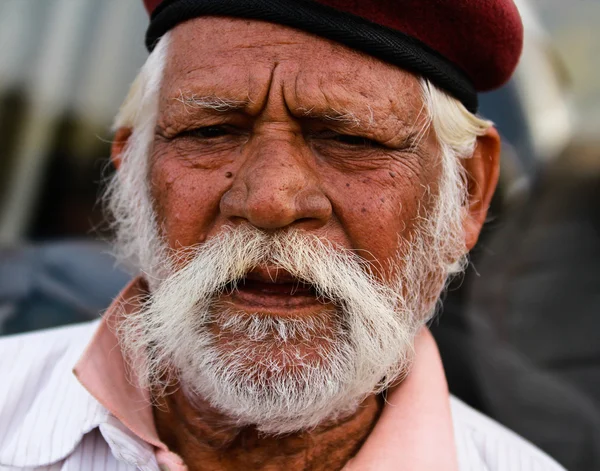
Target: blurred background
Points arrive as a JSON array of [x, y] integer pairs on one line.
[[519, 334]]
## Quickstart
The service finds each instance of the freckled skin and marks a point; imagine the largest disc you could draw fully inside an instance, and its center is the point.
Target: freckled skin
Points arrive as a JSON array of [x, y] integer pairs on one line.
[[280, 163], [284, 173]]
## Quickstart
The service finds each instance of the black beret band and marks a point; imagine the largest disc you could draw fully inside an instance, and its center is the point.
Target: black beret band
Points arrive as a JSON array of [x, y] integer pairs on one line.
[[355, 32]]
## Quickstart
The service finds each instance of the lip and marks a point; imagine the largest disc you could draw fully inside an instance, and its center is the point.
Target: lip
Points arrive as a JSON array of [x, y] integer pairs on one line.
[[272, 290], [270, 274]]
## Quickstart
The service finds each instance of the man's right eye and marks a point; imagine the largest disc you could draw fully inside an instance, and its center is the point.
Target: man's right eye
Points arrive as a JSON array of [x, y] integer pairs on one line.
[[207, 132]]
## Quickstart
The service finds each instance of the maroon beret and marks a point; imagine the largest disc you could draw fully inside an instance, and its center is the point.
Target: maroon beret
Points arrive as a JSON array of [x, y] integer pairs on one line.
[[463, 46]]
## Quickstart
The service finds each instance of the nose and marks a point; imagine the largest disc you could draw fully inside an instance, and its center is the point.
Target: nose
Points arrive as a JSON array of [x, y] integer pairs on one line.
[[275, 188]]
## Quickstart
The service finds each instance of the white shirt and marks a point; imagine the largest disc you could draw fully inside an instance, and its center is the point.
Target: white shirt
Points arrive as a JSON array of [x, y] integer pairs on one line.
[[50, 422]]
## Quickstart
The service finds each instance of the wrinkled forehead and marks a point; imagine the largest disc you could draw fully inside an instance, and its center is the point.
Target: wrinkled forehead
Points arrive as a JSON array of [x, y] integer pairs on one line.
[[244, 60]]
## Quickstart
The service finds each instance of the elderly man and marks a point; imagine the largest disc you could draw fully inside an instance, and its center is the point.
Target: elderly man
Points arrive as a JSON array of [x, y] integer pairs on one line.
[[296, 182]]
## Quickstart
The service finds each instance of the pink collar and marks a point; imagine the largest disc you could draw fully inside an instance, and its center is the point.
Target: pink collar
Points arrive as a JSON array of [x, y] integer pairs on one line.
[[414, 430]]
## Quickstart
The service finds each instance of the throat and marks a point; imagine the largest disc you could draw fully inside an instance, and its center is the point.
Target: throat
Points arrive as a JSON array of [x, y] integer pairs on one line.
[[207, 440]]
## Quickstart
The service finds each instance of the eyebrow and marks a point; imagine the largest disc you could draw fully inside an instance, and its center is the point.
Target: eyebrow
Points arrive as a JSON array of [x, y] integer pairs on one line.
[[223, 105], [220, 104], [333, 114], [211, 102]]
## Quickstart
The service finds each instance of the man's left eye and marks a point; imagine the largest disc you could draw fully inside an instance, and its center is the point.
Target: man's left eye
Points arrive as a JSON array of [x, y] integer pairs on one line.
[[349, 140], [357, 141]]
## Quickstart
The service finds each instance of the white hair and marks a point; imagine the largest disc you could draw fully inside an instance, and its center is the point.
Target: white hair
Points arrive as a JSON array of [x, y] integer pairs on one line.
[[358, 348], [127, 197]]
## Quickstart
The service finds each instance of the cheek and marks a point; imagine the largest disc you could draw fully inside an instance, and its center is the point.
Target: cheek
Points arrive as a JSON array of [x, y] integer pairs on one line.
[[186, 200], [376, 210]]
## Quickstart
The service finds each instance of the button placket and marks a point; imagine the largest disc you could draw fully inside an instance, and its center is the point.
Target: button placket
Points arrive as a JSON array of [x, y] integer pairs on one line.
[[127, 447]]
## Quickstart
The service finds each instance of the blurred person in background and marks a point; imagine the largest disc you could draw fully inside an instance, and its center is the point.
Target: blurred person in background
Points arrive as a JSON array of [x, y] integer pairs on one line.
[[518, 334], [292, 225]]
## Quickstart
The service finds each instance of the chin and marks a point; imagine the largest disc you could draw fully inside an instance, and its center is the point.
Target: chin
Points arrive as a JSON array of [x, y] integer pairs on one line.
[[277, 377], [269, 343]]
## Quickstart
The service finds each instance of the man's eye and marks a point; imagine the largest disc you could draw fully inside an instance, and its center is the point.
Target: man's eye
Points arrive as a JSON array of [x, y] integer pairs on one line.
[[356, 141], [348, 140], [207, 132]]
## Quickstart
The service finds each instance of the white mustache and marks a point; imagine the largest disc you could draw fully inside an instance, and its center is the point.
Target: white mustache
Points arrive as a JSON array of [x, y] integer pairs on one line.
[[337, 274]]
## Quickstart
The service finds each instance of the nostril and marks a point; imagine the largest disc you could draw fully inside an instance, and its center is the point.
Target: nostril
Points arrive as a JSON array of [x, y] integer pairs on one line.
[[313, 204], [309, 223], [233, 201]]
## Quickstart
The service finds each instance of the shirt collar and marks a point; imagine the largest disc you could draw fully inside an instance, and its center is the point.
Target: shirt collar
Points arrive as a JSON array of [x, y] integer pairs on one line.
[[415, 427], [102, 370]]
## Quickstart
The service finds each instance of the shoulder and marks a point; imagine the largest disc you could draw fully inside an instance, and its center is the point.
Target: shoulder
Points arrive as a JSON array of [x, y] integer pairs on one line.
[[484, 444], [45, 410], [31, 362], [18, 352]]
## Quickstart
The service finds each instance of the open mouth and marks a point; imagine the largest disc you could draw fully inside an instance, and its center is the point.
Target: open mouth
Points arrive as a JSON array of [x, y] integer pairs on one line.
[[265, 287]]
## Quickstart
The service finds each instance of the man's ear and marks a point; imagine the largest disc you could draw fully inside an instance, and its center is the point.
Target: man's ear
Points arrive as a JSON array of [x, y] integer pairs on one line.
[[118, 145], [483, 170]]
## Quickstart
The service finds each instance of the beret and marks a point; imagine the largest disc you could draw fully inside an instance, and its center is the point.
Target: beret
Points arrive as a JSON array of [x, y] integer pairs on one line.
[[462, 46]]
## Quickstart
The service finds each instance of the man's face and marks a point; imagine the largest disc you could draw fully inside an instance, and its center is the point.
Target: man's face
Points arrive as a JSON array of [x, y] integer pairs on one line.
[[306, 134], [301, 180]]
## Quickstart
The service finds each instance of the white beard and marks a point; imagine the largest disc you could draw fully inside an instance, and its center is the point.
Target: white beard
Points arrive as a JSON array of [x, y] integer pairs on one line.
[[281, 375]]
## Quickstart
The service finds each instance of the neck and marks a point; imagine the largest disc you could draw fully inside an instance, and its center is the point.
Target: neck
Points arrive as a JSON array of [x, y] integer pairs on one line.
[[205, 438]]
